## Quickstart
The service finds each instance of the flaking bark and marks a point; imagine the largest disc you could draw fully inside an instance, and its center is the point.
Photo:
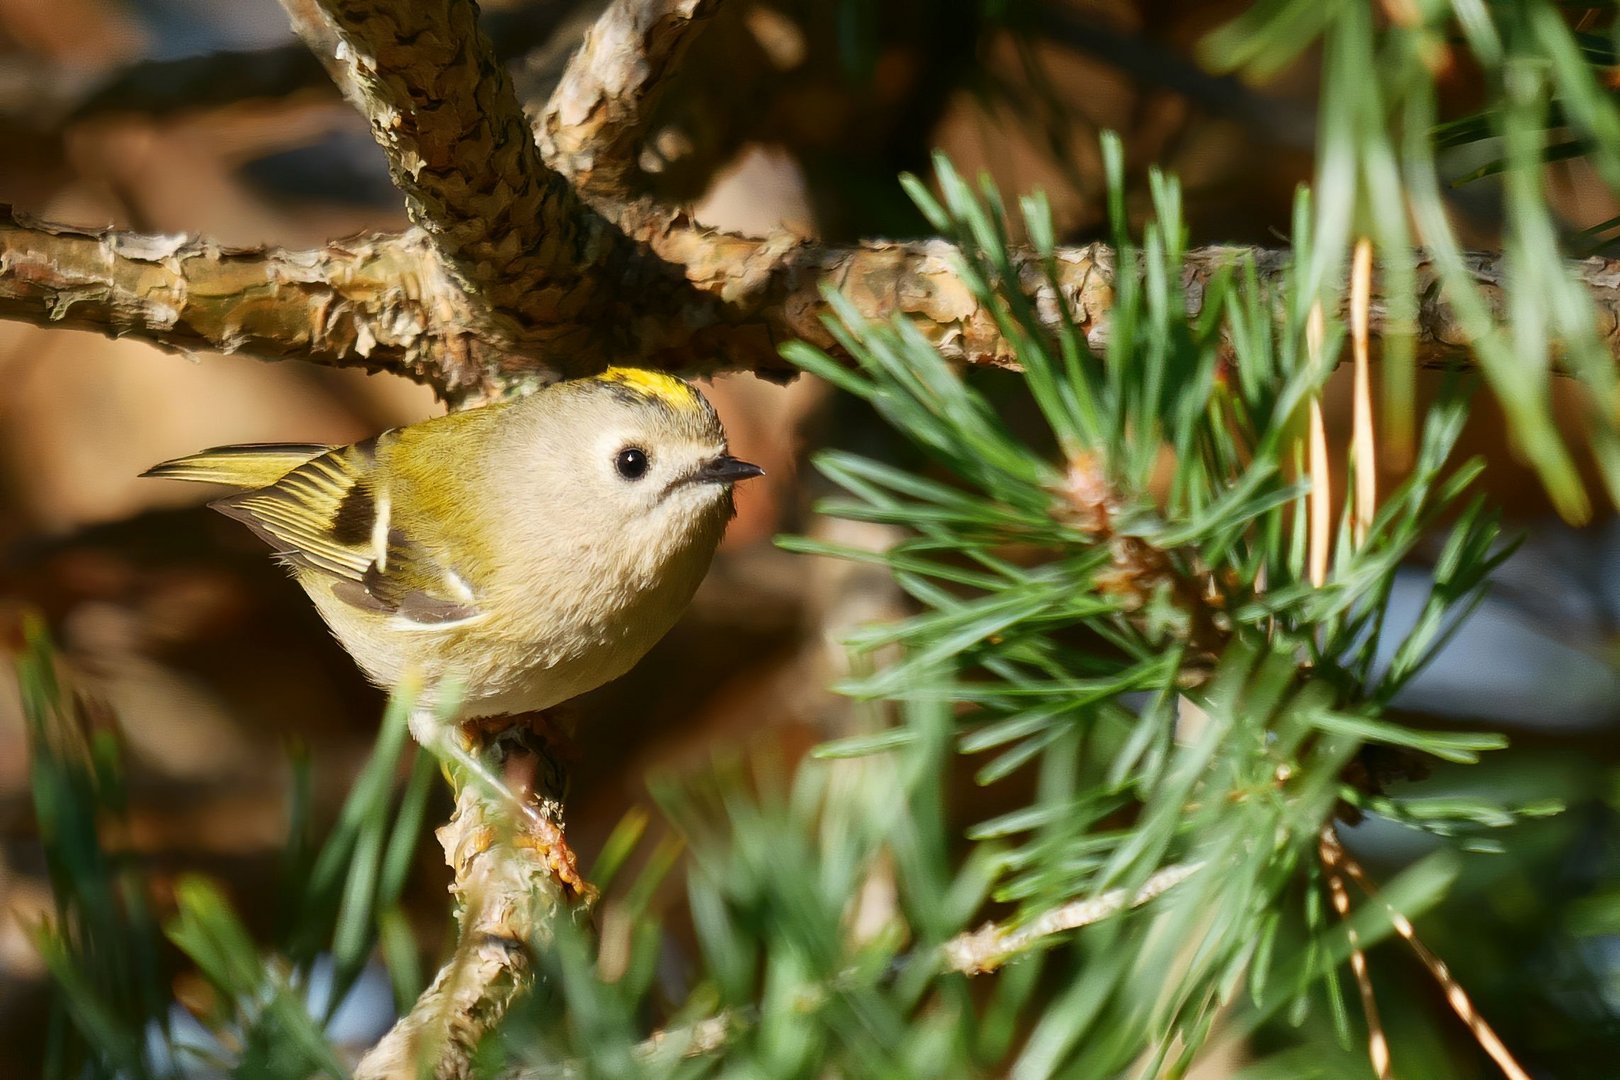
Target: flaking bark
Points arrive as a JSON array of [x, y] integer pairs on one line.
[[383, 303], [593, 128], [377, 302], [508, 899], [441, 105]]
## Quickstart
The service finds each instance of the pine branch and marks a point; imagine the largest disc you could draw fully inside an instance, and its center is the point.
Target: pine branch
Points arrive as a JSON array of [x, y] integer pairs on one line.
[[382, 303], [566, 290], [509, 228], [509, 897], [592, 129], [376, 302]]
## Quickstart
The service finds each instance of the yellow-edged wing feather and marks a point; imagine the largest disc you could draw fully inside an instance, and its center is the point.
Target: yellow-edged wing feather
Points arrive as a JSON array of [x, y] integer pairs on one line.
[[326, 510], [321, 515]]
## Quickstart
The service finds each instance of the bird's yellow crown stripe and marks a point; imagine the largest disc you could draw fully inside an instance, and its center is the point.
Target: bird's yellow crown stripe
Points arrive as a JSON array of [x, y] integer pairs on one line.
[[655, 384]]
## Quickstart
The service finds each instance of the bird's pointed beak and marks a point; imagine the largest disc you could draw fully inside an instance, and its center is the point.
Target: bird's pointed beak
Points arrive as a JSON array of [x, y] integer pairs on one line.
[[726, 469]]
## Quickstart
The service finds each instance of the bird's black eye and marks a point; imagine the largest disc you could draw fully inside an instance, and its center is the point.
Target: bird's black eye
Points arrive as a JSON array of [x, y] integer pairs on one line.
[[631, 463]]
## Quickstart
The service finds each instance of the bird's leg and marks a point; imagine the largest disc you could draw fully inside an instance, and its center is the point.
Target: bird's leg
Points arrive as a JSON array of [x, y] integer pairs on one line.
[[532, 755], [460, 755]]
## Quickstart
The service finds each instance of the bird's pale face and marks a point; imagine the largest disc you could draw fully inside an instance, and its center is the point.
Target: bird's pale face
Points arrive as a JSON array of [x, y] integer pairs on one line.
[[640, 479], [654, 482]]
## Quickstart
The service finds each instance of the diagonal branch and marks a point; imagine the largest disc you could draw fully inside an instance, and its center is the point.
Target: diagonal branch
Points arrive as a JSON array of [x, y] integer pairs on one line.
[[594, 125], [511, 231]]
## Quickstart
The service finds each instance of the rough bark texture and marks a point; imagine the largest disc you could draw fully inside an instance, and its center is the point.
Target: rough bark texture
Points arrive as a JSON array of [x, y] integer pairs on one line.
[[594, 126], [383, 303], [507, 900], [441, 105], [378, 302], [548, 285]]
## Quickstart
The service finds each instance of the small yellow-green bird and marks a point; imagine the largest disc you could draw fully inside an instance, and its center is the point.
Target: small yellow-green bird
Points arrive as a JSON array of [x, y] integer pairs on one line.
[[522, 553]]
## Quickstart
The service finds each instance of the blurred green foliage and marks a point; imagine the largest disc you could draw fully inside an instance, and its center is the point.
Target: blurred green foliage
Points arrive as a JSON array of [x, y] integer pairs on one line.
[[115, 1013]]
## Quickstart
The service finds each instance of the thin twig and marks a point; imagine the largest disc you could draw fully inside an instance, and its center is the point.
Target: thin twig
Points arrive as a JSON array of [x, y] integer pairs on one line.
[[691, 1040], [1321, 496], [1456, 996], [1332, 856], [993, 944], [1363, 446], [975, 952]]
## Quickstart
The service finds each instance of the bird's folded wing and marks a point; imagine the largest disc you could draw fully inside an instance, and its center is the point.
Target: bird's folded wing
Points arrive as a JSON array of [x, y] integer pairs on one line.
[[332, 515]]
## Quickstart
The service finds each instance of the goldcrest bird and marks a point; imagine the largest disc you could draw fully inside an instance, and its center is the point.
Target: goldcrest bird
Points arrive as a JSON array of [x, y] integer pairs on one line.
[[517, 554]]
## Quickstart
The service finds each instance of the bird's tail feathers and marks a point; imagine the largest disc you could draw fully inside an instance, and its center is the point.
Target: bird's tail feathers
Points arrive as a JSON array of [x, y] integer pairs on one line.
[[247, 467]]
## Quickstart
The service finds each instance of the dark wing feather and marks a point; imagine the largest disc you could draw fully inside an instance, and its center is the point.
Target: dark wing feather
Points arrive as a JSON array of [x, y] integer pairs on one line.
[[332, 515]]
